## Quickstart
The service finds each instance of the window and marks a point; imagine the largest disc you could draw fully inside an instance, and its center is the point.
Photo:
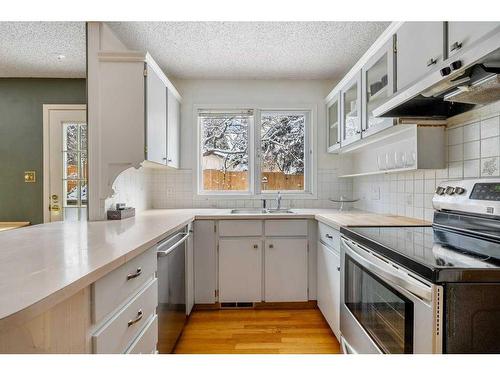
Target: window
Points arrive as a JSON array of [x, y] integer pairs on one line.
[[239, 158], [224, 151], [283, 151]]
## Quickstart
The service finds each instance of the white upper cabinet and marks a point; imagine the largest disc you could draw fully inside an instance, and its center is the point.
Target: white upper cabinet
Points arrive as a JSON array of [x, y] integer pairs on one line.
[[351, 110], [173, 129], [464, 34], [333, 124], [420, 46], [156, 117], [378, 83]]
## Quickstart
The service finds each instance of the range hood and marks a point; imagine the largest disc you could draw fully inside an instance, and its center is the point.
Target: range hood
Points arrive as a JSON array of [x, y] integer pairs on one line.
[[458, 84]]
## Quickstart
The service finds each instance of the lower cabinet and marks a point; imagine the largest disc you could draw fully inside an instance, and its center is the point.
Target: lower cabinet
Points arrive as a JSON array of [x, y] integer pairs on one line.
[[329, 286], [240, 270], [286, 267]]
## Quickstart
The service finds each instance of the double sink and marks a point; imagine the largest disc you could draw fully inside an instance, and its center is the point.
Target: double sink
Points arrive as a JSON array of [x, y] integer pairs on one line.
[[252, 211]]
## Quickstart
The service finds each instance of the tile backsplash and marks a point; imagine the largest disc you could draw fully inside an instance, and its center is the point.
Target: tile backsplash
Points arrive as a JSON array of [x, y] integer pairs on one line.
[[473, 149], [176, 189]]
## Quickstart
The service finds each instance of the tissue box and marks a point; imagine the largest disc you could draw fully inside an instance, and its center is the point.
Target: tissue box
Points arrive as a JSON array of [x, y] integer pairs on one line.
[[121, 214]]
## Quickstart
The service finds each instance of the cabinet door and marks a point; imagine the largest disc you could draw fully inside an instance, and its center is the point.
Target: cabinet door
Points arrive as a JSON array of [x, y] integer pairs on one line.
[[240, 270], [420, 47], [156, 118], [351, 111], [189, 274], [173, 130], [285, 270], [329, 286], [378, 83], [333, 127], [205, 261], [464, 34]]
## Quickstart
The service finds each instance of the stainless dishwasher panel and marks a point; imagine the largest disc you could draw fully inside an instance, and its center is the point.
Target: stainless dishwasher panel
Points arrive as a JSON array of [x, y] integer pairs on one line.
[[171, 290]]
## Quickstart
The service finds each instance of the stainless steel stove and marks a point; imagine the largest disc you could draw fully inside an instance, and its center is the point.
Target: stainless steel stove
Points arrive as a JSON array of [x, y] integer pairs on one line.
[[433, 289]]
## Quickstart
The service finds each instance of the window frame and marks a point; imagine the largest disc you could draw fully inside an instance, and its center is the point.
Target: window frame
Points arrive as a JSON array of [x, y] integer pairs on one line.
[[251, 158], [307, 154], [254, 153]]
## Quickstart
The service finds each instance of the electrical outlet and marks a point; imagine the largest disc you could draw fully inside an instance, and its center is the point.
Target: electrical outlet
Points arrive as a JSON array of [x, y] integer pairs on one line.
[[375, 193]]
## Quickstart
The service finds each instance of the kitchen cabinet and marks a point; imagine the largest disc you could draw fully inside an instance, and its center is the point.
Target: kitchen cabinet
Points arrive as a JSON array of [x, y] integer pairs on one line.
[[240, 270], [378, 83], [286, 270], [205, 261], [328, 273], [420, 46], [351, 110], [156, 116], [189, 272], [333, 124], [173, 129], [463, 34]]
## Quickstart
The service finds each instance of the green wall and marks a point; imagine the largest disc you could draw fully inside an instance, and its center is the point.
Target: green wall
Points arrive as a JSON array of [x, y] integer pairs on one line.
[[21, 140]]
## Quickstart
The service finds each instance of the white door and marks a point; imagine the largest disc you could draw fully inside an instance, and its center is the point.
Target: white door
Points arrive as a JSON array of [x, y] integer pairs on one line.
[[240, 270], [65, 163], [286, 270]]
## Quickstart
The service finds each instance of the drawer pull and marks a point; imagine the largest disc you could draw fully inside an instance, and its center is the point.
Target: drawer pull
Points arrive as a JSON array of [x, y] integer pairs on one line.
[[329, 236], [134, 275], [255, 246], [133, 321], [456, 46]]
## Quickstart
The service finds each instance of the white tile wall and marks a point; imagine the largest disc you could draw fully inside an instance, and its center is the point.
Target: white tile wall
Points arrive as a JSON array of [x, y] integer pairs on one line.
[[176, 189], [473, 151]]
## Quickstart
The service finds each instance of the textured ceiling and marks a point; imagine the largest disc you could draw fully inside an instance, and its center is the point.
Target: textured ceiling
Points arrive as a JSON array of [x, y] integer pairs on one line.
[[30, 49], [297, 50]]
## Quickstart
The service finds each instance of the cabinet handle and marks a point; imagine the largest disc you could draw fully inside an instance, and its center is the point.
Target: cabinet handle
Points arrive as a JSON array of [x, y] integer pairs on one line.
[[134, 275], [255, 246], [169, 160], [133, 321], [329, 236], [456, 46], [338, 269], [358, 131], [432, 61], [271, 246]]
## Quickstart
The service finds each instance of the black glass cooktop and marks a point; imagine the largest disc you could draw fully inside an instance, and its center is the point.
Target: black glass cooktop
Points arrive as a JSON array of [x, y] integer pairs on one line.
[[437, 254]]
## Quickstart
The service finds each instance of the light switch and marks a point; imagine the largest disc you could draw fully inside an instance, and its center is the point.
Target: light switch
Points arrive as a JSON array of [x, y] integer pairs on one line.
[[29, 176]]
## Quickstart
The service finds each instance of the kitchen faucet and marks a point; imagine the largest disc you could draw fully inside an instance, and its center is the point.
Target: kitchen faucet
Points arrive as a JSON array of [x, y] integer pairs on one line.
[[278, 200]]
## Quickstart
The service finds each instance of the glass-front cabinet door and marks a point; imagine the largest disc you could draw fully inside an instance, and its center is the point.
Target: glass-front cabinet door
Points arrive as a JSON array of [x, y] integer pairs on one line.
[[351, 110], [333, 124], [378, 84]]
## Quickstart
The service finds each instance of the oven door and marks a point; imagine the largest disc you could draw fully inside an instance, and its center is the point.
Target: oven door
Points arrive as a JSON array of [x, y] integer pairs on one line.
[[382, 306]]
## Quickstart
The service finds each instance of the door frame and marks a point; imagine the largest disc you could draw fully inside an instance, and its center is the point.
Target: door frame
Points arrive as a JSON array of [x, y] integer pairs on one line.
[[46, 155]]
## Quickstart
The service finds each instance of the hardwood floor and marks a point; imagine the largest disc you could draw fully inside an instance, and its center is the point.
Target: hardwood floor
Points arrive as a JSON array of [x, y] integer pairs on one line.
[[257, 332]]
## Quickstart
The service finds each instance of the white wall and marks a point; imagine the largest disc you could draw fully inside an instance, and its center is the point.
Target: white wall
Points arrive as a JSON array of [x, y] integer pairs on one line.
[[177, 188], [473, 151]]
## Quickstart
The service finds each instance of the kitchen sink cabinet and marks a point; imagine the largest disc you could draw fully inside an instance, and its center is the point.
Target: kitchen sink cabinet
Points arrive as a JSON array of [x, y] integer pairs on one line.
[[286, 270], [205, 261], [420, 46], [240, 270], [464, 34]]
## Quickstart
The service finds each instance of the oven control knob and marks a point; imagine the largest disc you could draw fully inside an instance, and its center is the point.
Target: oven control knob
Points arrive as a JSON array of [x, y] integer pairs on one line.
[[459, 190], [450, 190], [440, 190]]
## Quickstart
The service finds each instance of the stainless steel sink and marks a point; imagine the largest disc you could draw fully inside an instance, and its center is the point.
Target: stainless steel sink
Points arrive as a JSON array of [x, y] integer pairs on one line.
[[249, 211], [253, 211]]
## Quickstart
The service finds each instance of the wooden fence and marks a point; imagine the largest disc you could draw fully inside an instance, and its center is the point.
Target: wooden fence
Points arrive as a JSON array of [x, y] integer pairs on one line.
[[216, 180]]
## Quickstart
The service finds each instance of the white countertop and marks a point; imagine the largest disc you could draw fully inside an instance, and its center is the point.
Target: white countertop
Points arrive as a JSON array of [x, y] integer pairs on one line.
[[44, 264]]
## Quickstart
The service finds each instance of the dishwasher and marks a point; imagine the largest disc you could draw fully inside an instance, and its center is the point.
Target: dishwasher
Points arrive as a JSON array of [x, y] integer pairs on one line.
[[171, 254]]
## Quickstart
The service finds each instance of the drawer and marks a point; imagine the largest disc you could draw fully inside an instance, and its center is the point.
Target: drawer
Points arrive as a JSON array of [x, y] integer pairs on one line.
[[240, 228], [286, 227], [147, 340], [117, 334], [329, 236], [112, 290]]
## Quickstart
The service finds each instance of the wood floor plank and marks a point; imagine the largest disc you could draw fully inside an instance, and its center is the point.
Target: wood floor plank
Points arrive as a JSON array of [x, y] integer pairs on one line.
[[256, 331]]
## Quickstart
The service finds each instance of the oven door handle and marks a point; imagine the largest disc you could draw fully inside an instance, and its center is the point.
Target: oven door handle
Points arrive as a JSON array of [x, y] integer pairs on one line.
[[419, 290]]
